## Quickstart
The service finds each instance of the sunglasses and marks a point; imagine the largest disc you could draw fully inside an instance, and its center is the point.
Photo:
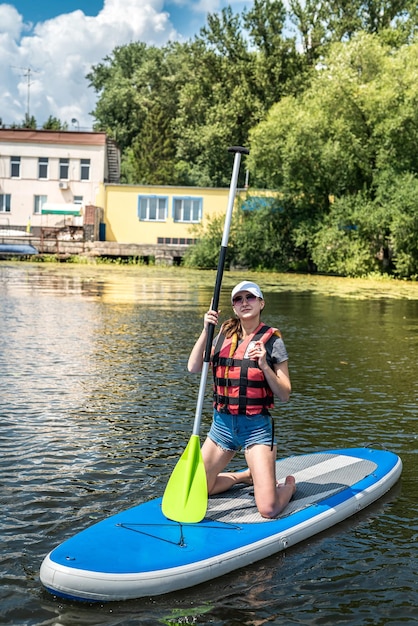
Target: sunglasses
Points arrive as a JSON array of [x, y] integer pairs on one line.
[[240, 299]]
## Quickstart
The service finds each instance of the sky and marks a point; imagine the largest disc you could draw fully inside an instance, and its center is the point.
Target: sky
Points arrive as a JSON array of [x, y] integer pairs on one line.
[[47, 48]]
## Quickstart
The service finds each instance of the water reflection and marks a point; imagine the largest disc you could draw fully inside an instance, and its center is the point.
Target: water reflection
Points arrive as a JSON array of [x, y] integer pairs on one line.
[[97, 407]]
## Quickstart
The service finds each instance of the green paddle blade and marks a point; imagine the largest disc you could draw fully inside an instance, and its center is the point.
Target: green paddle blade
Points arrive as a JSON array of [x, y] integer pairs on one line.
[[186, 494]]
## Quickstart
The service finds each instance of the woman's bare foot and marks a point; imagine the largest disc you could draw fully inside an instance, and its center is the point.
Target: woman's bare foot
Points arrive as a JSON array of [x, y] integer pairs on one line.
[[290, 480], [245, 477]]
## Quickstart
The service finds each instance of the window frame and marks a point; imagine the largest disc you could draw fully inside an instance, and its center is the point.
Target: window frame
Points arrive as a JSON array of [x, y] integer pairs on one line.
[[43, 164], [85, 165], [38, 202], [192, 199], [64, 163], [15, 163], [148, 198], [5, 202]]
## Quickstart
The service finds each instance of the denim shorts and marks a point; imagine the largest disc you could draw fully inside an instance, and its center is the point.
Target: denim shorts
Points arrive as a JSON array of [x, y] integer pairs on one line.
[[233, 432]]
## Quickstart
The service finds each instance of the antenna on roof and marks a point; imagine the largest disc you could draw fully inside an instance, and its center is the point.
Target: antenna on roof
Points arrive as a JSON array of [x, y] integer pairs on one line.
[[27, 72]]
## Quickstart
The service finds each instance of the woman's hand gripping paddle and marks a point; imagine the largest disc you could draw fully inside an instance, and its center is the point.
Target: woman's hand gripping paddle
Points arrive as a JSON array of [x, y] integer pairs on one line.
[[185, 498]]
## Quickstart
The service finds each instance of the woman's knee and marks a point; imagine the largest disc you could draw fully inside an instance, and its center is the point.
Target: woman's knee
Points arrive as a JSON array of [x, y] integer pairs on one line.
[[266, 508], [267, 512]]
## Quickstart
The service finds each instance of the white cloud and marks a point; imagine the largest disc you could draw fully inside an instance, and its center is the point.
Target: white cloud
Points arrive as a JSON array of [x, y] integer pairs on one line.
[[59, 52]]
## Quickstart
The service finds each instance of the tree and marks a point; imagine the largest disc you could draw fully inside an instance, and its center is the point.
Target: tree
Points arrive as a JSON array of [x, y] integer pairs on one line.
[[216, 105], [210, 91], [279, 68], [259, 238], [205, 253], [138, 90], [260, 235], [358, 119], [124, 88], [29, 121], [151, 157], [361, 235], [322, 23], [350, 239], [396, 203], [53, 123]]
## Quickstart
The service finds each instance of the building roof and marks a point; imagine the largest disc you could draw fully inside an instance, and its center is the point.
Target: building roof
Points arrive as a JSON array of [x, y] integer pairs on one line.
[[28, 135]]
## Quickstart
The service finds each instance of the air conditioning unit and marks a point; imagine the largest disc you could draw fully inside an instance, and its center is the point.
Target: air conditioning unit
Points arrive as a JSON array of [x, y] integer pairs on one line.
[[63, 185]]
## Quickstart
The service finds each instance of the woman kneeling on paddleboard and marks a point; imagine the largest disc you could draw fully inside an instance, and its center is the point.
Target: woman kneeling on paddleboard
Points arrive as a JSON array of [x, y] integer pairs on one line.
[[250, 367]]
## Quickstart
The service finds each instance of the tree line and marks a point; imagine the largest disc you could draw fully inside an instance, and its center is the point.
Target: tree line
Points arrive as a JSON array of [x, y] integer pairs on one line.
[[325, 96], [29, 121]]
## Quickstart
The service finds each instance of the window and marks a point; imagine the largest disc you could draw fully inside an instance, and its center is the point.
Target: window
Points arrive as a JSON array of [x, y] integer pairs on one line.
[[5, 199], [152, 208], [14, 167], [85, 169], [43, 167], [78, 200], [39, 202], [64, 169], [187, 209]]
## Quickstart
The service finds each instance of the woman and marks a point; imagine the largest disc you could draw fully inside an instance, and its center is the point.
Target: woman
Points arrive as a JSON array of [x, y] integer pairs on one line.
[[249, 361]]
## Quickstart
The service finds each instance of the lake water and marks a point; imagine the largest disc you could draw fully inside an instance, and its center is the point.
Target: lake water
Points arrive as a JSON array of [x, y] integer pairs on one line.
[[97, 406]]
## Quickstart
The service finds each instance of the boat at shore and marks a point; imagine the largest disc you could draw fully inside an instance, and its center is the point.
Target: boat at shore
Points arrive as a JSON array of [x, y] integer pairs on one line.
[[17, 249]]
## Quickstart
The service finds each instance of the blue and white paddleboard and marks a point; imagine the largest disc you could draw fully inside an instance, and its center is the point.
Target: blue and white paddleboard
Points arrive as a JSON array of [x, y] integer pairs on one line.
[[139, 552]]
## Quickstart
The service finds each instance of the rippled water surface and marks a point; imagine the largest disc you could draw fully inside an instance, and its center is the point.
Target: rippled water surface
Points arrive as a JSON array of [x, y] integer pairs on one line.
[[97, 406]]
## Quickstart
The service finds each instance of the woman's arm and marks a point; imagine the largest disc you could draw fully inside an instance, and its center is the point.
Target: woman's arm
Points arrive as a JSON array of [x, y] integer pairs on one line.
[[278, 380]]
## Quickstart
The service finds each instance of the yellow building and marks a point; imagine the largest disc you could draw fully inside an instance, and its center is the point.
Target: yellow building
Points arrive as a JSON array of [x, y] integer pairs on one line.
[[147, 214]]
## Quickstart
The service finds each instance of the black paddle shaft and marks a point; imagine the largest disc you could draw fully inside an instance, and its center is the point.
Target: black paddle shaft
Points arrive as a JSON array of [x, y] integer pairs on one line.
[[238, 151]]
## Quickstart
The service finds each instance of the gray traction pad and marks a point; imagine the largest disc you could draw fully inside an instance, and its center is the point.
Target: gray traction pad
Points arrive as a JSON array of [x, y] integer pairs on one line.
[[318, 476]]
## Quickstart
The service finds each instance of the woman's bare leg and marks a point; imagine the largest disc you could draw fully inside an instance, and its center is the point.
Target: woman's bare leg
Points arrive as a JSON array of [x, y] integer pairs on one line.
[[270, 498], [215, 460]]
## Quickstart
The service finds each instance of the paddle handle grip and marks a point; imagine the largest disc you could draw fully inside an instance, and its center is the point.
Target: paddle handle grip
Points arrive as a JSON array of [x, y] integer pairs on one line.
[[238, 151]]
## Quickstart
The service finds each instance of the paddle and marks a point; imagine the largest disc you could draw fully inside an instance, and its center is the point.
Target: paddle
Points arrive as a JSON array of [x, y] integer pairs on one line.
[[186, 495]]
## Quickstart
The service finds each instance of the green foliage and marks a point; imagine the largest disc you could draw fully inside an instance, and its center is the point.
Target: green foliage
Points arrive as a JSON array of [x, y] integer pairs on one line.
[[261, 236], [206, 94], [363, 235], [217, 106], [150, 158], [278, 67], [342, 245], [124, 83], [355, 127], [53, 123], [201, 96], [328, 127], [322, 142], [29, 121], [259, 239], [397, 199], [205, 253]]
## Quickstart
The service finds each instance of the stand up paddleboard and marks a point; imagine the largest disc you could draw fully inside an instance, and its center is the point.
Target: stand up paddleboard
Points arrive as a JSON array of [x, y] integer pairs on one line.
[[140, 552]]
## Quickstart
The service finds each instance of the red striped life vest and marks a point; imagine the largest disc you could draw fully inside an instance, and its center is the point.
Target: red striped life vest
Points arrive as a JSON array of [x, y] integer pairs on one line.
[[239, 384]]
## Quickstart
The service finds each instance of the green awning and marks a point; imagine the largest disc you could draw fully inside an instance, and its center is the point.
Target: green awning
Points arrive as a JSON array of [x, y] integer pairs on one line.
[[50, 208]]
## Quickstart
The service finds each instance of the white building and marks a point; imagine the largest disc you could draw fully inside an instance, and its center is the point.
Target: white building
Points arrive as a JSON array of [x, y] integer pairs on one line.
[[48, 177]]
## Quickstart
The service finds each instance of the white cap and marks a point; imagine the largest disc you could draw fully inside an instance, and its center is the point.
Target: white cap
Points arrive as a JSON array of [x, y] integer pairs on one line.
[[247, 286]]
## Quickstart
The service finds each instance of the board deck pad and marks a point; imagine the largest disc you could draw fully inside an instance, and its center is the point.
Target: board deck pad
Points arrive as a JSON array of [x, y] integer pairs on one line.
[[317, 477]]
